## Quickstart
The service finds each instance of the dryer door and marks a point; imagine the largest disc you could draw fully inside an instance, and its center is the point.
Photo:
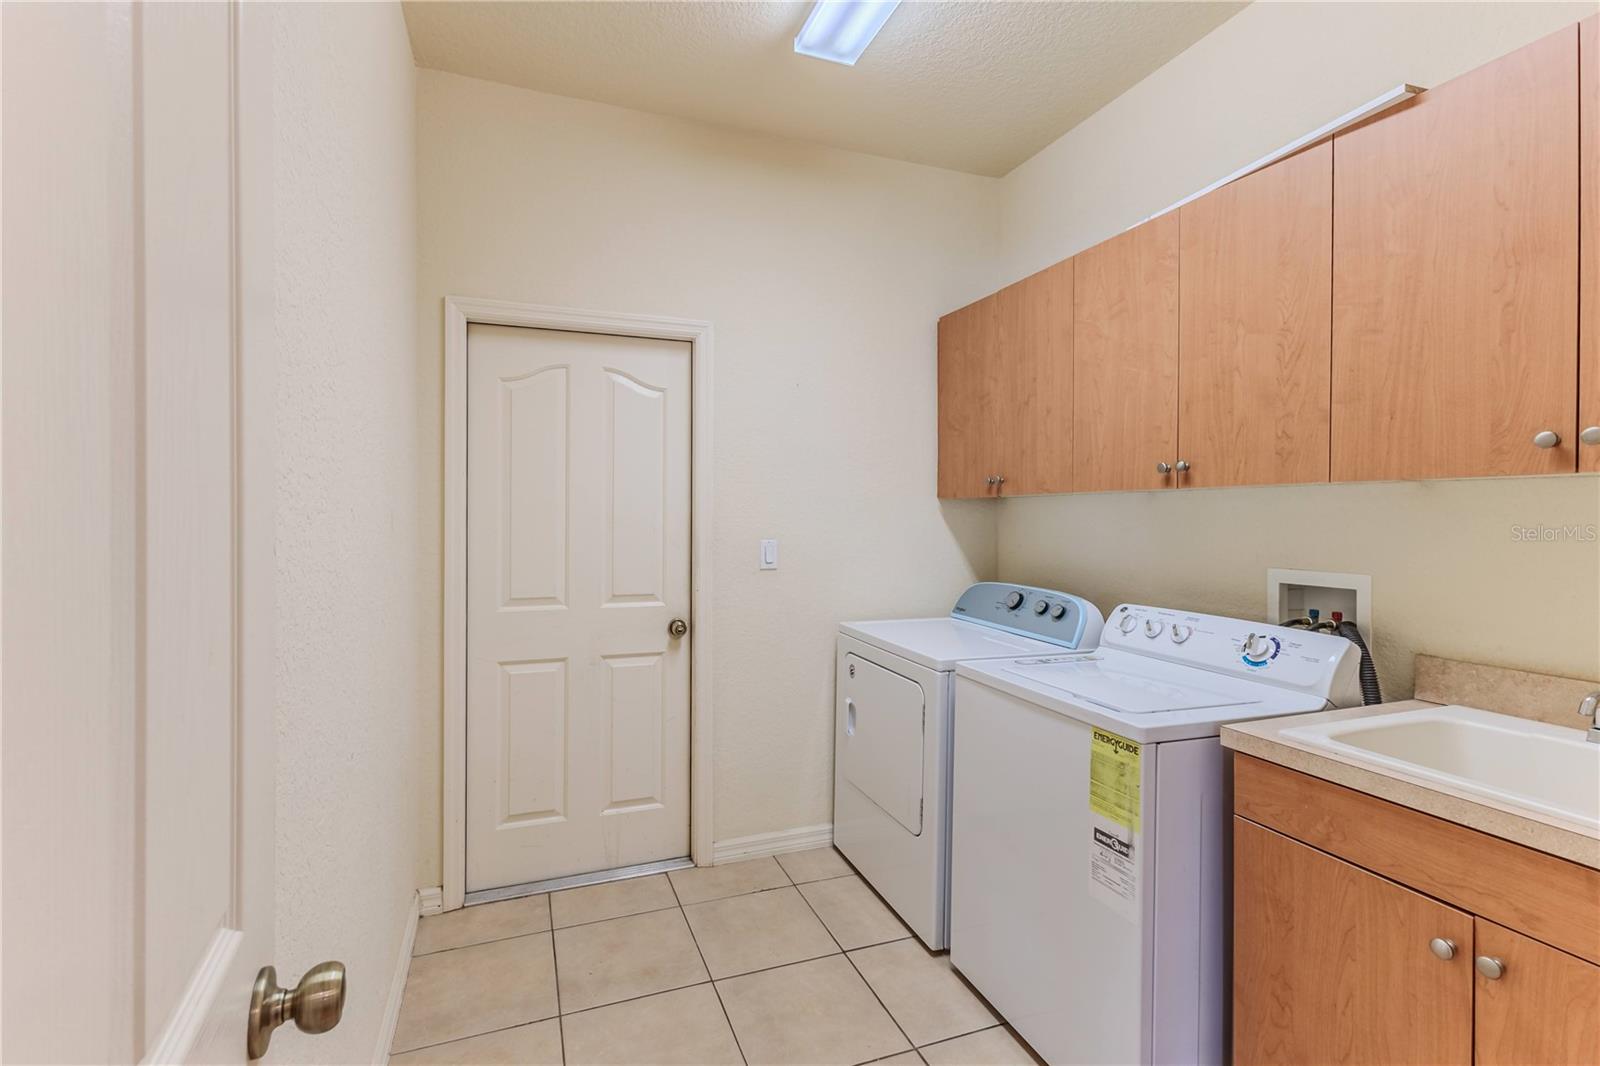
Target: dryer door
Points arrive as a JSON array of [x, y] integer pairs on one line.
[[884, 718]]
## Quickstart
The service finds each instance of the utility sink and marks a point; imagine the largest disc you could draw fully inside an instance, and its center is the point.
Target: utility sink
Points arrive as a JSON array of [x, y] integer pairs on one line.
[[1509, 761]]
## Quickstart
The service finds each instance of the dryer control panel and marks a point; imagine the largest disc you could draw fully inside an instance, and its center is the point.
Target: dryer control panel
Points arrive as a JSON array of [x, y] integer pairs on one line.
[[1318, 664], [1044, 614]]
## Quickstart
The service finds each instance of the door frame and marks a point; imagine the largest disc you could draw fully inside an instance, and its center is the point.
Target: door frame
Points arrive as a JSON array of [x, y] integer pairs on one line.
[[459, 313]]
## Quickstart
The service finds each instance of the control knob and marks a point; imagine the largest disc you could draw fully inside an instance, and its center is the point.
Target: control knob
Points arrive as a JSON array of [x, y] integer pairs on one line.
[[1127, 622], [1181, 633], [1041, 607], [1014, 601], [1257, 646], [1152, 627], [1058, 612]]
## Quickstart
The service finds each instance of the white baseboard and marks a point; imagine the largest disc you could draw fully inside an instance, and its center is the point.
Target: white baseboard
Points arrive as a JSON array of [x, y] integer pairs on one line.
[[430, 901], [753, 847], [397, 986]]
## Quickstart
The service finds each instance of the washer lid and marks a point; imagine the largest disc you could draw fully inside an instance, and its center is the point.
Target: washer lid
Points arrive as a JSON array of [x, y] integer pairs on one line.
[[940, 643], [1142, 698]]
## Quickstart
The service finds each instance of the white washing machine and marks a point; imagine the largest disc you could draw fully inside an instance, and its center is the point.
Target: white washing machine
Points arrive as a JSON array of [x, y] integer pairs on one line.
[[891, 794], [1091, 827]]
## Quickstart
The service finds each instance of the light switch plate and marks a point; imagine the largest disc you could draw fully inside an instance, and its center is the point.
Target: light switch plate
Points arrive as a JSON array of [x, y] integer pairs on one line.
[[769, 555]]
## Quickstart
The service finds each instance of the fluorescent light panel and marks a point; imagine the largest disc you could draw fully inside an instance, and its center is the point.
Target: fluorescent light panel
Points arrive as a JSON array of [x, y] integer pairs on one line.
[[840, 30]]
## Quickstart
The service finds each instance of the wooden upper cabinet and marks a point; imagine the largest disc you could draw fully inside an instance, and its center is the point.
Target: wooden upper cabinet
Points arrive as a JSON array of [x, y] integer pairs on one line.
[[1589, 240], [968, 339], [1125, 359], [1255, 339], [1541, 1009], [1332, 963], [1033, 418], [1455, 276]]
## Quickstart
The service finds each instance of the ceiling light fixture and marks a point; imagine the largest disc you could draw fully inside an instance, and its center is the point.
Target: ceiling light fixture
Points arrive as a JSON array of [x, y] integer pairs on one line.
[[840, 30]]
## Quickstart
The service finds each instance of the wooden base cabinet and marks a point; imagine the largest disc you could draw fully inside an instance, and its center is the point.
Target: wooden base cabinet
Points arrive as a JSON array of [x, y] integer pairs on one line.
[[1332, 963], [1366, 932]]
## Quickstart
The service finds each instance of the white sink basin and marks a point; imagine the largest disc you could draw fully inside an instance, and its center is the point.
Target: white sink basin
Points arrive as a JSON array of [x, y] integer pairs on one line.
[[1512, 761]]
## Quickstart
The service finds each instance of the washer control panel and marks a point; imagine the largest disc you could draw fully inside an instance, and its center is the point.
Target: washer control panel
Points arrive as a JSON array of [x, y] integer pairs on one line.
[[1317, 663], [1044, 614]]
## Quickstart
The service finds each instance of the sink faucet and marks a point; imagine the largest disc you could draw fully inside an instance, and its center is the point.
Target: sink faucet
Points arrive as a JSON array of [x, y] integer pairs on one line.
[[1587, 708]]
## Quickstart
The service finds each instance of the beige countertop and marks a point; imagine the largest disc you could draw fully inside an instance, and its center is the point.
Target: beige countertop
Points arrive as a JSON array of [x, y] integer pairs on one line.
[[1264, 739]]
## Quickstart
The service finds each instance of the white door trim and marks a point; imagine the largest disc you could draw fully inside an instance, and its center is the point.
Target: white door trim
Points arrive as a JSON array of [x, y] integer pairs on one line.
[[459, 312]]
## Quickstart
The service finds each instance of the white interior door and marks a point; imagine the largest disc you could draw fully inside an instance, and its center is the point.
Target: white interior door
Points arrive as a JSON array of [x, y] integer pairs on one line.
[[137, 615], [577, 561]]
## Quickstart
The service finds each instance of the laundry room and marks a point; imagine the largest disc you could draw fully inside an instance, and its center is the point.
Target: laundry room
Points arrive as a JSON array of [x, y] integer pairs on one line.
[[751, 531]]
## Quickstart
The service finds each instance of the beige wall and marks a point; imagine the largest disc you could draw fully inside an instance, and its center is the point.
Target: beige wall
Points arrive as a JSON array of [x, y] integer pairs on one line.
[[1449, 576], [823, 273], [355, 634]]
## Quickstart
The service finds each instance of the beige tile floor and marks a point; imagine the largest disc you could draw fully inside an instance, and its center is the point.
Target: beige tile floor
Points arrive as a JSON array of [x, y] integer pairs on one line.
[[786, 960]]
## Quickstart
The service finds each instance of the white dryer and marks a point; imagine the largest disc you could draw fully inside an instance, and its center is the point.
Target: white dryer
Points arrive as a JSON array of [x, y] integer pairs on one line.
[[1091, 824], [891, 797]]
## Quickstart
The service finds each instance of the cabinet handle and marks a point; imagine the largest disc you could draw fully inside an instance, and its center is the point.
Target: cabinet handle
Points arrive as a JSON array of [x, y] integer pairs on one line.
[[1490, 967], [999, 479], [1182, 467], [1590, 435], [990, 480], [1546, 438], [1163, 469], [1443, 947]]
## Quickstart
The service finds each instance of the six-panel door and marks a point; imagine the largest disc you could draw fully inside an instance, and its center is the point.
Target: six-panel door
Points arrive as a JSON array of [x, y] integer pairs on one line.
[[1335, 964], [577, 561]]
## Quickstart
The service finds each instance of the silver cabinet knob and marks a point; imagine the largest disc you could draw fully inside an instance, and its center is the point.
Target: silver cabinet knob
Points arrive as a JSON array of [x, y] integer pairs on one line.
[[1546, 438], [1590, 435], [677, 627], [1163, 469], [999, 479], [990, 480], [1490, 967], [1182, 467], [1442, 948], [315, 1004]]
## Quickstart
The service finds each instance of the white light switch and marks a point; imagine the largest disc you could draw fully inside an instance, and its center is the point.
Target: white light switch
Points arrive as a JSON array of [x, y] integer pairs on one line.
[[769, 555]]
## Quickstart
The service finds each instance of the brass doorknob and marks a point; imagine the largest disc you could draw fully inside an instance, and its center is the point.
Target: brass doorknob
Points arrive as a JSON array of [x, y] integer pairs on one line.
[[677, 627], [315, 1004]]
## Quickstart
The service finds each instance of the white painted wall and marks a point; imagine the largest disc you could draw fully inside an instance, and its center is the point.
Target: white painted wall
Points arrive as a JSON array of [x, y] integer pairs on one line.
[[824, 273], [1450, 575], [356, 631]]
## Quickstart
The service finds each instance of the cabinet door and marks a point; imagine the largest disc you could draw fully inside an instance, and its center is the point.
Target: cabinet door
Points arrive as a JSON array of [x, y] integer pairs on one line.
[[1332, 963], [1033, 418], [968, 340], [1541, 1009], [1125, 359], [1455, 276], [1589, 240], [1255, 337]]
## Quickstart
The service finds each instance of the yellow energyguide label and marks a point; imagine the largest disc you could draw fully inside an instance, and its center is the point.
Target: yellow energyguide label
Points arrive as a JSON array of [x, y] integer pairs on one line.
[[1114, 778]]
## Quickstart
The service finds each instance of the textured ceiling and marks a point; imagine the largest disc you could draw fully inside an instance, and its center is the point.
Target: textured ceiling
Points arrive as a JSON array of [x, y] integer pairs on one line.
[[973, 86]]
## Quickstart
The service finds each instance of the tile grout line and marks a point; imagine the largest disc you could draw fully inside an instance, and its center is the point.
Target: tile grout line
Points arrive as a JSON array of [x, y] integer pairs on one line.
[[474, 1036], [911, 1044], [715, 991], [555, 966], [596, 921]]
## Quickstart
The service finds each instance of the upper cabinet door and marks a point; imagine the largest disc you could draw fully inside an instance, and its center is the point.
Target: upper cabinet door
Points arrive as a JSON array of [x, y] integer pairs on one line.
[[1589, 238], [1455, 276], [968, 340], [1255, 339], [1540, 1009], [1125, 359], [1033, 419]]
